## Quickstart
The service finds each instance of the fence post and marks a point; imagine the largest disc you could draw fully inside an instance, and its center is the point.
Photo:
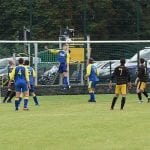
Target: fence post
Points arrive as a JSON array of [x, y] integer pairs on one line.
[[29, 53], [68, 75], [60, 77], [138, 58], [82, 73], [14, 58], [36, 62], [88, 49], [110, 68]]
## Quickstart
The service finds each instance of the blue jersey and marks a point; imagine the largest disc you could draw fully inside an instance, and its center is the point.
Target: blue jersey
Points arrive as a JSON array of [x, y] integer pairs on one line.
[[92, 72], [32, 75], [62, 56], [20, 74]]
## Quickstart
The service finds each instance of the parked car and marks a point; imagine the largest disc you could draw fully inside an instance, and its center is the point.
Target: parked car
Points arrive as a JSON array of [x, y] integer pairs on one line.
[[105, 70], [4, 63]]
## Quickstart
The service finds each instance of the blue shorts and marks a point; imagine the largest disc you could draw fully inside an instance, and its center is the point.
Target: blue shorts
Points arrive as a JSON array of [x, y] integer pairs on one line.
[[92, 84], [31, 89], [21, 86], [62, 68]]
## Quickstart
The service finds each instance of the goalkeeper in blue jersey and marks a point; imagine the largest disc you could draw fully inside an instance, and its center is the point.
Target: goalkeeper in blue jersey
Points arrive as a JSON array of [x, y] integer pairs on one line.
[[63, 59], [32, 76], [20, 76], [92, 76]]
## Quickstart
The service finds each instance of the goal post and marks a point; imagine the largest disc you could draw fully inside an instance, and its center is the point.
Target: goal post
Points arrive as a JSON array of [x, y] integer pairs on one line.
[[106, 54]]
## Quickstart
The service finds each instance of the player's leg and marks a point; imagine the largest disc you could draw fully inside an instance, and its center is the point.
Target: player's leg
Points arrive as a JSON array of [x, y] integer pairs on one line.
[[17, 100], [144, 91], [65, 80], [91, 90], [20, 98], [65, 76], [117, 91], [26, 99], [123, 91], [18, 91], [25, 92], [7, 95], [139, 91], [13, 93], [31, 90], [35, 99], [60, 70]]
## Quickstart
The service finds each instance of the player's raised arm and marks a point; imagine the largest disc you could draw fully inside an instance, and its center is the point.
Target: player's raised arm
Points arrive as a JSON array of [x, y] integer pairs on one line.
[[54, 51]]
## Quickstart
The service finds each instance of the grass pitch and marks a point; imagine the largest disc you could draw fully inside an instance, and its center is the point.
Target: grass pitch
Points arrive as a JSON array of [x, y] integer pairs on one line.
[[71, 123]]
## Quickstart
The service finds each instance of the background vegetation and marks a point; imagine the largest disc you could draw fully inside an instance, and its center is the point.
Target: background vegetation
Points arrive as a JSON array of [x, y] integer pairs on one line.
[[101, 19]]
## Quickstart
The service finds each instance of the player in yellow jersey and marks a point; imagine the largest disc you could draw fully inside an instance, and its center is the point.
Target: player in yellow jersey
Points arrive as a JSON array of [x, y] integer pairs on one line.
[[32, 76], [20, 76], [92, 76]]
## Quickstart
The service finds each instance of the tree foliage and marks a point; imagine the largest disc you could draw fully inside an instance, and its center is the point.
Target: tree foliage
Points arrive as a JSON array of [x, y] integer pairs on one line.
[[105, 19]]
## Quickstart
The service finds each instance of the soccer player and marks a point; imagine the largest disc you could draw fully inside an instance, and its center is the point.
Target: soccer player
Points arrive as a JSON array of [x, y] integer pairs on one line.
[[11, 90], [63, 60], [141, 80], [92, 76], [32, 76], [122, 76], [20, 76]]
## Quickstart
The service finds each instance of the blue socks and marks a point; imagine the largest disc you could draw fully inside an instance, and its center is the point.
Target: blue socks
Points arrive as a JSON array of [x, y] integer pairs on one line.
[[25, 103], [65, 81], [92, 96], [16, 105]]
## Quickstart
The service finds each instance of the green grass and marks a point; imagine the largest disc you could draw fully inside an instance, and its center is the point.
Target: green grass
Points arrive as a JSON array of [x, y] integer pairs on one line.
[[71, 123]]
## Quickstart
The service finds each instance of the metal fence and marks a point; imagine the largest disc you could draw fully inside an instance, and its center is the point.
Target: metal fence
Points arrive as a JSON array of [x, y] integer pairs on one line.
[[106, 53]]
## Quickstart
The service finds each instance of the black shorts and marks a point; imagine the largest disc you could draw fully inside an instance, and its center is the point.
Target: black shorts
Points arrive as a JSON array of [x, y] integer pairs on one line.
[[12, 87]]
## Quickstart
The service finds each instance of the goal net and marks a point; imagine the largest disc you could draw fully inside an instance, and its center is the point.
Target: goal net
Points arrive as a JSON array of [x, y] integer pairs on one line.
[[107, 55]]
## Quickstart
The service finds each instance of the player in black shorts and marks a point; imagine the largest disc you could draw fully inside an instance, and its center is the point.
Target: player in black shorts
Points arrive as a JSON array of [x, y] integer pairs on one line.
[[141, 81], [11, 90], [122, 76]]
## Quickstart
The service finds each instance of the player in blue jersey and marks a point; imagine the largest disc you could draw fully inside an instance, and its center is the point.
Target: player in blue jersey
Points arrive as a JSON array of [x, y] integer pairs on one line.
[[63, 58], [32, 76], [92, 76], [20, 76]]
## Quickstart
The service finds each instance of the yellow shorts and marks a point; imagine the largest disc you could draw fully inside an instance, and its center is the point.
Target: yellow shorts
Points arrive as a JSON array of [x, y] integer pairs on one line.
[[141, 86], [121, 89]]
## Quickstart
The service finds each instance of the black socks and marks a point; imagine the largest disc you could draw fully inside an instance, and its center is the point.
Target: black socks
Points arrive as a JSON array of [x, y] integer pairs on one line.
[[139, 96], [123, 102], [113, 102]]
